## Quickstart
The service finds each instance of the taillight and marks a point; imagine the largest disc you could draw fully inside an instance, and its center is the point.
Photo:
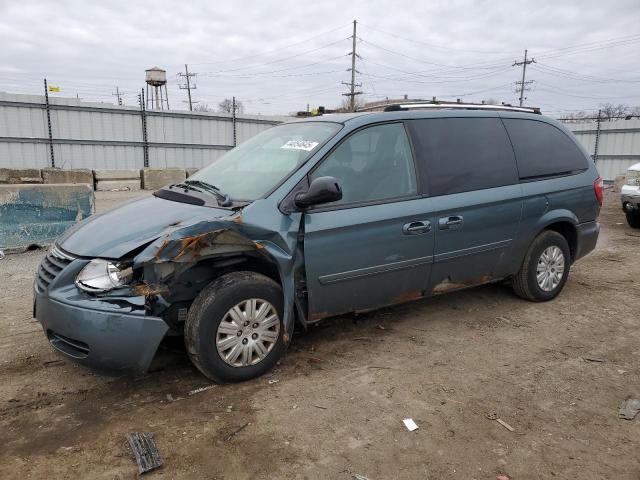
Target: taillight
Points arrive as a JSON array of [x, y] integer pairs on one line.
[[597, 188]]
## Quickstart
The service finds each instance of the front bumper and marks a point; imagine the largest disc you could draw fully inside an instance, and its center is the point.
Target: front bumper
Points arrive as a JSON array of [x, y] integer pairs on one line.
[[101, 334], [630, 198]]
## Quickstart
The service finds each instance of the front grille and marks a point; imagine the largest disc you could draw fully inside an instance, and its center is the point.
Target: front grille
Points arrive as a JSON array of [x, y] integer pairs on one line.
[[52, 264]]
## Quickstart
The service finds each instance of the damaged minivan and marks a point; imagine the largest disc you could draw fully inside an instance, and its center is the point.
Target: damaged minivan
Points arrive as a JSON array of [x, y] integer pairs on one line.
[[317, 218]]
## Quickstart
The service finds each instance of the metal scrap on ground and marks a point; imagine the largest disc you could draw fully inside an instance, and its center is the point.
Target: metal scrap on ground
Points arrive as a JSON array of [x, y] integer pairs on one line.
[[144, 449], [629, 408]]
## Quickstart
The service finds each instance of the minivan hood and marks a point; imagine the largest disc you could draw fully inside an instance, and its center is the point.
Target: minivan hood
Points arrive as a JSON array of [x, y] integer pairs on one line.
[[116, 232]]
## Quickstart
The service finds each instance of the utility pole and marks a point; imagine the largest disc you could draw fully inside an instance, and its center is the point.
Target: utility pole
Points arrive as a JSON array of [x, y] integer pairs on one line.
[[522, 85], [352, 90], [119, 95], [187, 86]]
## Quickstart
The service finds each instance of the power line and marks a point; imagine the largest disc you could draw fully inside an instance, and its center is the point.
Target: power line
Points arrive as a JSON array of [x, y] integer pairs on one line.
[[268, 52]]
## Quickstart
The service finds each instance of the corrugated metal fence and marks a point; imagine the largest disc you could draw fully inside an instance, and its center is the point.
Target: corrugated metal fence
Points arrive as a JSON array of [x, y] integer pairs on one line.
[[104, 136], [618, 144]]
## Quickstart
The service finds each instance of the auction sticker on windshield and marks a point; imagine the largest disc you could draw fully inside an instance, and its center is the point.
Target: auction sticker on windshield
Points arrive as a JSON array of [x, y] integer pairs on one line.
[[300, 145]]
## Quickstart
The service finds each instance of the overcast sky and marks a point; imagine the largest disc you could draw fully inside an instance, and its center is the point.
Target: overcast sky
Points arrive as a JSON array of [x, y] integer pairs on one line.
[[276, 56]]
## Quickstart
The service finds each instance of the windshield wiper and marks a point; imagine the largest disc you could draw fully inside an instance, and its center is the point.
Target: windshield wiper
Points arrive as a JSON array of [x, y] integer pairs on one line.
[[226, 199], [185, 187]]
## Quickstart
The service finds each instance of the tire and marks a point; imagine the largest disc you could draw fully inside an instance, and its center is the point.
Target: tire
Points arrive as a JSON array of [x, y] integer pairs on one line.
[[525, 282], [204, 336], [633, 219]]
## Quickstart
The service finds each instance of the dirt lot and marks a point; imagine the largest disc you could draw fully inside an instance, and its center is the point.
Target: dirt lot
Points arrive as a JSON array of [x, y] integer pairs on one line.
[[334, 406]]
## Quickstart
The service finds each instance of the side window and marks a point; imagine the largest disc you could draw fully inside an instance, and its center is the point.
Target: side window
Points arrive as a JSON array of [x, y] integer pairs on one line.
[[372, 164], [463, 154], [543, 150]]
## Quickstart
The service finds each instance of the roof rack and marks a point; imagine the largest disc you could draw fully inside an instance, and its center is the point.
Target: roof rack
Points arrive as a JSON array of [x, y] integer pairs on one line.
[[394, 107]]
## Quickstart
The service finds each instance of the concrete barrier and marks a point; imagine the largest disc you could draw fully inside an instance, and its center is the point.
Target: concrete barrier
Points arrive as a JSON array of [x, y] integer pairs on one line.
[[38, 214], [20, 175], [153, 179], [109, 180], [618, 183], [58, 175]]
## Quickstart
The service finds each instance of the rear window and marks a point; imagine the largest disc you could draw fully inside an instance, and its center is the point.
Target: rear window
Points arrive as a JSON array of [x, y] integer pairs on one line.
[[463, 154], [543, 150]]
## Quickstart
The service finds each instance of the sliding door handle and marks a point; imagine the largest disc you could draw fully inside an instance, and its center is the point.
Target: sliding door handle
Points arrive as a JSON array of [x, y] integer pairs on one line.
[[450, 223]]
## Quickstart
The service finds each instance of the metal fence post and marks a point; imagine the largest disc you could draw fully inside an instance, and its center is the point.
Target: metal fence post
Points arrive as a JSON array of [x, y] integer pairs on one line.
[[595, 149], [143, 115], [233, 119], [46, 103]]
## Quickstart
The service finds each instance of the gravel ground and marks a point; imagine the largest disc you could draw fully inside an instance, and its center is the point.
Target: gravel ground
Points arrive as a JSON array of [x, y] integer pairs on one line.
[[334, 406]]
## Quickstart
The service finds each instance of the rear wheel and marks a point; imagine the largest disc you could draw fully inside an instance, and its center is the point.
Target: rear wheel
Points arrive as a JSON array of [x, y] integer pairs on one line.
[[545, 268], [234, 329], [633, 219]]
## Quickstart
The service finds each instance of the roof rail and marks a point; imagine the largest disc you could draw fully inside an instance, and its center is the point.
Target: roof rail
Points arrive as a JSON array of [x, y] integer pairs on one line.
[[394, 107]]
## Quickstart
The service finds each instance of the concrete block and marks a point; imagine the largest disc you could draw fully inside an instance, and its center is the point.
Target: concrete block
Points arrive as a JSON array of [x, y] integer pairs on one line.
[[38, 214], [153, 179], [191, 171], [20, 175], [124, 174], [117, 185], [618, 183], [58, 175]]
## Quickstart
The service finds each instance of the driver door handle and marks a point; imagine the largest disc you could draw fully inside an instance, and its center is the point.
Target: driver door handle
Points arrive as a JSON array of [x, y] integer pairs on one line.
[[417, 227]]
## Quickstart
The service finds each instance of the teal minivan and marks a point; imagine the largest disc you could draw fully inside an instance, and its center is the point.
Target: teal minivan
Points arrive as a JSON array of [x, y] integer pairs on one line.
[[317, 218]]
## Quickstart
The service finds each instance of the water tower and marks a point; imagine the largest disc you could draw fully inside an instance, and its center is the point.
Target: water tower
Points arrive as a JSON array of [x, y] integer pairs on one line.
[[156, 78]]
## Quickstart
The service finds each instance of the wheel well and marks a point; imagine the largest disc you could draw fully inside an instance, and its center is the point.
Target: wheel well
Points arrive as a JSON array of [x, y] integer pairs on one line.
[[568, 231]]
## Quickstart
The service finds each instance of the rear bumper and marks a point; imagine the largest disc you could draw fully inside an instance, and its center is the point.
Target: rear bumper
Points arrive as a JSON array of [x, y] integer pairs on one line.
[[100, 339], [587, 238]]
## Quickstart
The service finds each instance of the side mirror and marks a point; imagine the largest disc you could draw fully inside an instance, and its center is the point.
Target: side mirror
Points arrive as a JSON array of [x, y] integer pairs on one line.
[[321, 190]]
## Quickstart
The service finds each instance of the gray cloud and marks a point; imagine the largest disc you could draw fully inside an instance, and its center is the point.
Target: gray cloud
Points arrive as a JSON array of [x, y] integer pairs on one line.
[[422, 49]]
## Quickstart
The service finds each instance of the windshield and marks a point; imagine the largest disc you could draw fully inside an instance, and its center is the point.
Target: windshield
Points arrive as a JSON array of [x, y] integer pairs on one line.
[[253, 168]]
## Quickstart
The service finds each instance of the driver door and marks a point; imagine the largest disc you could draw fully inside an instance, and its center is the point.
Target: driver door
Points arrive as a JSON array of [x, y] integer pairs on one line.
[[375, 246]]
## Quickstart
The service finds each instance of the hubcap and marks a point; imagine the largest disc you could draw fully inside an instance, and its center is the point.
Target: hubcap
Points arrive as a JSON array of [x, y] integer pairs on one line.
[[248, 332], [550, 268]]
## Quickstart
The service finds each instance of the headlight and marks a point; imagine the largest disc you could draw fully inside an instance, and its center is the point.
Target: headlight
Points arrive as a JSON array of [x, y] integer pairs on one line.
[[101, 276]]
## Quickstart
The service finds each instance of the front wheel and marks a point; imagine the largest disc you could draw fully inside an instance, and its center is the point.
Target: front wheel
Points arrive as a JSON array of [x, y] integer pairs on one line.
[[545, 268], [633, 219], [234, 329]]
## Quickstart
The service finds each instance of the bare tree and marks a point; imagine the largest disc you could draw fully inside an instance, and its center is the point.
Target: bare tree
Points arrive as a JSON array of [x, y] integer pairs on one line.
[[345, 105], [203, 107], [226, 106], [609, 111]]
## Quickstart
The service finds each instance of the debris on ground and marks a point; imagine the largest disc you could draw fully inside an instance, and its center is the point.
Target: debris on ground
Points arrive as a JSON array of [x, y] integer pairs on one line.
[[271, 382], [629, 408], [1, 254], [201, 389], [410, 424], [145, 451], [321, 407], [505, 424], [594, 359], [357, 476], [237, 430], [502, 477]]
